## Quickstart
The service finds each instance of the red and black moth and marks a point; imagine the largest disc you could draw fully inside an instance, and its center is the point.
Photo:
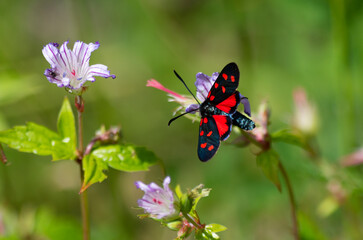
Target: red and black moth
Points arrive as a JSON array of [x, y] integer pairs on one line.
[[219, 112]]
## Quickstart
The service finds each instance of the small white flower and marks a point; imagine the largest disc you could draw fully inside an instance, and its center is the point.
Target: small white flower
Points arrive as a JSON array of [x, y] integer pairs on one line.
[[157, 201], [70, 68]]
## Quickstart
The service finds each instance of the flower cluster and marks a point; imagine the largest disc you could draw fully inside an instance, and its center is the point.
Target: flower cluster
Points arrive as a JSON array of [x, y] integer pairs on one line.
[[176, 211], [70, 68]]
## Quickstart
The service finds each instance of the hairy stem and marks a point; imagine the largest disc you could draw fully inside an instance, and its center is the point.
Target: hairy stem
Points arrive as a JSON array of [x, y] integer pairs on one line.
[[84, 202], [295, 225]]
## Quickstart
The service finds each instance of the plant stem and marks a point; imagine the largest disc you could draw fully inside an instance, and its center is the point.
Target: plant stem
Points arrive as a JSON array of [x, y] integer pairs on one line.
[[295, 225], [196, 224], [84, 210], [2, 155], [84, 202], [252, 139]]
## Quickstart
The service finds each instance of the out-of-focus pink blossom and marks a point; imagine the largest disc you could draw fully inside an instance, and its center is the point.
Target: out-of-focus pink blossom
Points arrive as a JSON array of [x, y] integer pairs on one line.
[[262, 121], [305, 117], [353, 159]]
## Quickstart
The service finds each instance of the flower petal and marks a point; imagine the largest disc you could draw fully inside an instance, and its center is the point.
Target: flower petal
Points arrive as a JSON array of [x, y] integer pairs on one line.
[[98, 70], [192, 107], [50, 52], [203, 83], [83, 51], [155, 84]]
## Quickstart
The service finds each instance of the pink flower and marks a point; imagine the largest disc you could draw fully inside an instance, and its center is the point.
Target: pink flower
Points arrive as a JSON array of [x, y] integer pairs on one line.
[[184, 101]]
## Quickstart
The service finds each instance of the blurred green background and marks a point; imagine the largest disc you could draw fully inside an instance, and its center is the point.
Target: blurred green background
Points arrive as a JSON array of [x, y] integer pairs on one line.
[[278, 46]]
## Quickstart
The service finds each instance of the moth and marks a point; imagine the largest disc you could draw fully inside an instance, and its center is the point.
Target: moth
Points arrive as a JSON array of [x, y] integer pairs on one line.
[[219, 112]]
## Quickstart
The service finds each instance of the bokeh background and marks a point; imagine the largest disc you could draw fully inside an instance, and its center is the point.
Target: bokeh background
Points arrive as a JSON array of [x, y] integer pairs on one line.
[[278, 45]]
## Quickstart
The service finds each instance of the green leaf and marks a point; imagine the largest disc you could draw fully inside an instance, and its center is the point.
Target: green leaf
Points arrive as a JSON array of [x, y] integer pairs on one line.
[[67, 128], [216, 227], [37, 139], [206, 234], [93, 171], [290, 136], [268, 161], [127, 158]]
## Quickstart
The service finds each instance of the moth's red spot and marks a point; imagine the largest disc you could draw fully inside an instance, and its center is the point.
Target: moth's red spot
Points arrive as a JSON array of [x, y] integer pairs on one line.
[[216, 85], [228, 103], [208, 95], [73, 72], [223, 89], [210, 147], [201, 133], [222, 124], [203, 145], [205, 120], [232, 78], [157, 201], [212, 98], [210, 133], [224, 76], [201, 121]]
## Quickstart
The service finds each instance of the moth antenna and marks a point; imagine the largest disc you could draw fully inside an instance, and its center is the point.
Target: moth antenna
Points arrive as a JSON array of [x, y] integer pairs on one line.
[[186, 86], [175, 118]]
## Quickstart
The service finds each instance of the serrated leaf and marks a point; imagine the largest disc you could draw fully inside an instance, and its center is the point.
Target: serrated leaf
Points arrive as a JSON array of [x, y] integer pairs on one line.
[[66, 127], [214, 227], [289, 136], [37, 139], [93, 171], [126, 157], [268, 161]]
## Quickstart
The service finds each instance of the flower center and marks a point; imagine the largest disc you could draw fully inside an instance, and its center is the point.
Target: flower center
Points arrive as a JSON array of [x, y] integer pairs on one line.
[[157, 201], [73, 72]]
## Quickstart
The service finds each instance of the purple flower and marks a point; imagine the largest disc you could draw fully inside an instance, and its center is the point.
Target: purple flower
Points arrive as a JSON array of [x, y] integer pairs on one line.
[[70, 68], [158, 202], [203, 83]]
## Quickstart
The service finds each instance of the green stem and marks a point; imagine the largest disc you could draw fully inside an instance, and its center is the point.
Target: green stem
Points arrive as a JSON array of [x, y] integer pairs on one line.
[[84, 201], [265, 146], [295, 225], [252, 139]]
